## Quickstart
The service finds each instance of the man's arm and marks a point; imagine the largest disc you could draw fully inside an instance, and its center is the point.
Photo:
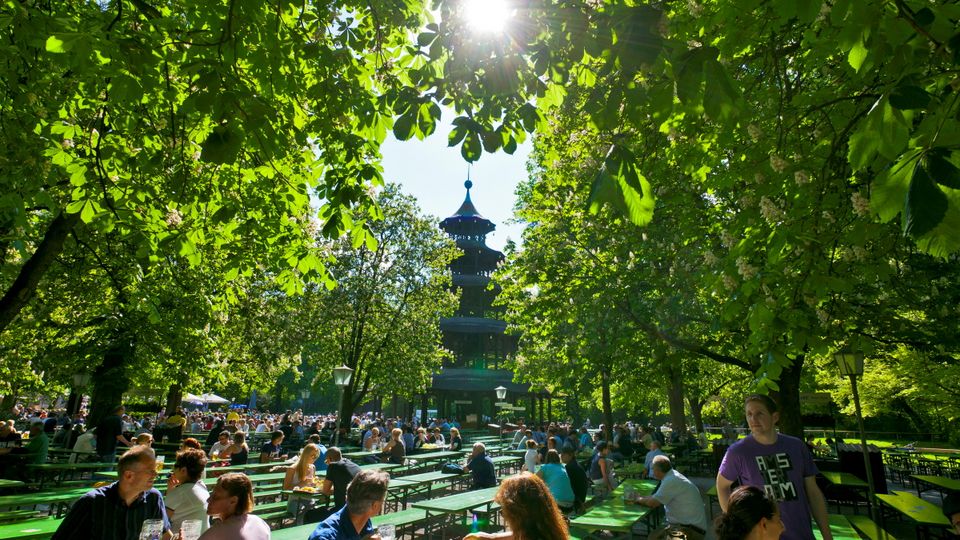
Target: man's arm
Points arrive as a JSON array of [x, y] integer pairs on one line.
[[649, 502], [723, 492], [122, 439], [77, 523], [327, 487], [818, 505]]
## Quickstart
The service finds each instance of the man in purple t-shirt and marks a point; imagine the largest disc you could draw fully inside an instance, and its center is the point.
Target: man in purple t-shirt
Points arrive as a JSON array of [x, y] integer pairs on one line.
[[780, 465]]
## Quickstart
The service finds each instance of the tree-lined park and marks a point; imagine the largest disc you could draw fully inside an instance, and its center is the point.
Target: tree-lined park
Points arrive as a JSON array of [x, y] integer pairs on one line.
[[722, 199]]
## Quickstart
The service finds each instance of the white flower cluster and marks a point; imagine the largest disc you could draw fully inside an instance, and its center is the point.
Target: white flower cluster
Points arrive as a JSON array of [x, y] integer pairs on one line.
[[778, 164], [196, 155], [174, 219], [755, 132], [727, 239], [746, 201], [801, 178], [861, 204], [67, 144], [746, 270], [710, 259], [729, 282], [823, 317], [758, 177], [824, 12], [770, 211], [828, 217], [695, 8], [859, 253]]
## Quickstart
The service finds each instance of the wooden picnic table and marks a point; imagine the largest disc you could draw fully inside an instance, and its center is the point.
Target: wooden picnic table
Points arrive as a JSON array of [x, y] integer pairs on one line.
[[34, 529], [460, 502], [4, 483], [60, 470], [614, 514], [56, 498], [360, 454], [414, 481], [923, 514], [840, 528], [843, 479], [941, 484], [435, 456]]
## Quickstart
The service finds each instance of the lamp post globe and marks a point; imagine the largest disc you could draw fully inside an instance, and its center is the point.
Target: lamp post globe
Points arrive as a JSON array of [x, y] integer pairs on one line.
[[341, 378]]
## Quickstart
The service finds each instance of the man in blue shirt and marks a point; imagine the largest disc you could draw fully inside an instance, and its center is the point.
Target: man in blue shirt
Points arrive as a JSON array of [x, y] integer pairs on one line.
[[365, 498], [481, 467], [118, 511], [648, 460]]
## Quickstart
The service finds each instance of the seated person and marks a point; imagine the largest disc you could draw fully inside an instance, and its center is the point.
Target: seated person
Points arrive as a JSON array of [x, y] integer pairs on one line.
[[187, 495], [271, 451], [238, 452], [481, 468], [365, 497], [394, 451]]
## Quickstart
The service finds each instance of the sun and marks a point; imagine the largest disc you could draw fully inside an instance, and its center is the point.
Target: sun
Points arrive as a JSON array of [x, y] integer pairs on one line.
[[489, 16]]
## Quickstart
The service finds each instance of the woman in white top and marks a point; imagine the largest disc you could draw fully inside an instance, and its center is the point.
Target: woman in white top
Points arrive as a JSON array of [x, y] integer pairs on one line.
[[186, 497], [301, 474], [531, 457], [232, 501]]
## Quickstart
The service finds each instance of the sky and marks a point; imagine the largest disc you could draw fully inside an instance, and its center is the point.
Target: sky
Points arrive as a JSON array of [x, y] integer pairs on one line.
[[434, 174]]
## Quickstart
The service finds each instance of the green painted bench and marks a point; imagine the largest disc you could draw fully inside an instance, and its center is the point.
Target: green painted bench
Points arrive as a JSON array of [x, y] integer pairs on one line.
[[869, 528]]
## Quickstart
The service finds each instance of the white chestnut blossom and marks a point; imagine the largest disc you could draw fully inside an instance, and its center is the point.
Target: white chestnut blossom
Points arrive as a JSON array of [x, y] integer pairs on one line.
[[754, 132], [861, 204], [801, 178], [174, 218], [778, 164]]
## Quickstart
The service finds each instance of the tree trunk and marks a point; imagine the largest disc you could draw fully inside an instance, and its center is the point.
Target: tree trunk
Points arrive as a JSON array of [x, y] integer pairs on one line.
[[607, 406], [110, 379], [696, 409], [174, 398], [73, 401], [788, 398], [675, 393], [6, 404], [25, 285]]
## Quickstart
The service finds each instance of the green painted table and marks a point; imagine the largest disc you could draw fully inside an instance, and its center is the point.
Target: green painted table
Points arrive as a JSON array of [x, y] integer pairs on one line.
[[4, 483], [459, 503], [923, 514], [360, 454], [61, 470], [431, 457], [57, 498], [939, 483], [840, 528], [843, 479], [372, 467], [614, 514], [34, 529]]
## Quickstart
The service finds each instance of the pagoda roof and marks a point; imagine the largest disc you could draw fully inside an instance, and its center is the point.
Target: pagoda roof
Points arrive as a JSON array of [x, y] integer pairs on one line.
[[467, 220]]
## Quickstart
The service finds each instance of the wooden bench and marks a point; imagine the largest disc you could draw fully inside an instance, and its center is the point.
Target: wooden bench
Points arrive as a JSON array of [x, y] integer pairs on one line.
[[869, 528], [18, 515]]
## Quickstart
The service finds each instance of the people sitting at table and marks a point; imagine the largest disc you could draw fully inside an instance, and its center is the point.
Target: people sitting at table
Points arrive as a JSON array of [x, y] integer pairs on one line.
[[301, 474], [394, 451], [143, 439], [271, 451], [481, 467], [340, 471], [579, 481], [456, 442], [750, 515], [601, 468], [648, 459], [214, 434], [223, 441], [951, 509], [421, 438], [437, 438], [528, 509], [527, 436], [232, 502], [186, 497], [238, 452], [681, 501], [364, 499], [118, 510], [371, 441], [553, 473]]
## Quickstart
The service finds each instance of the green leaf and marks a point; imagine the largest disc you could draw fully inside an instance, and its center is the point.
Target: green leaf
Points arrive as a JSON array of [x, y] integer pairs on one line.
[[894, 130], [720, 97], [924, 17], [942, 171], [862, 148], [472, 148], [223, 145], [621, 185], [456, 135], [908, 96], [403, 127], [88, 211], [925, 205], [857, 55], [889, 188], [55, 45]]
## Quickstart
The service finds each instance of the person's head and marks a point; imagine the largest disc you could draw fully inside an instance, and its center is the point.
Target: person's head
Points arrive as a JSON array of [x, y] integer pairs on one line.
[[190, 463], [190, 442], [224, 438], [119, 410], [366, 493], [951, 509], [531, 443], [232, 496], [276, 437], [749, 512], [144, 439], [529, 509], [479, 448], [602, 448], [240, 439], [761, 413], [654, 445], [553, 456], [661, 466], [314, 439], [567, 454], [36, 429], [334, 454], [454, 433], [421, 431], [375, 432], [137, 468]]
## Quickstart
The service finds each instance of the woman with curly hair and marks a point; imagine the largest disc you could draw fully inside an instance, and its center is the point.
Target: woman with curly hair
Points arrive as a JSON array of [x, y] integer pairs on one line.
[[529, 510]]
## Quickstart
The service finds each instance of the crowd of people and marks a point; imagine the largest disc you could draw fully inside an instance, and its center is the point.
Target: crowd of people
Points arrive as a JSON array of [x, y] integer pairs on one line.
[[766, 481]]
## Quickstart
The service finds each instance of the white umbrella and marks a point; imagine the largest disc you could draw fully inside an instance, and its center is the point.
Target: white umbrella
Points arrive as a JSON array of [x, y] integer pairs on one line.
[[190, 398], [213, 399]]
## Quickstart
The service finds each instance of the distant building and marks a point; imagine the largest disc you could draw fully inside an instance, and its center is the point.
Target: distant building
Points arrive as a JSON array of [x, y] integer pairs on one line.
[[464, 387]]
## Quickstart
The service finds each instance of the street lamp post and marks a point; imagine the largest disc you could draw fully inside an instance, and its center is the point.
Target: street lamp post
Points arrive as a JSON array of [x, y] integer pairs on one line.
[[501, 395], [341, 378], [304, 394], [851, 365]]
